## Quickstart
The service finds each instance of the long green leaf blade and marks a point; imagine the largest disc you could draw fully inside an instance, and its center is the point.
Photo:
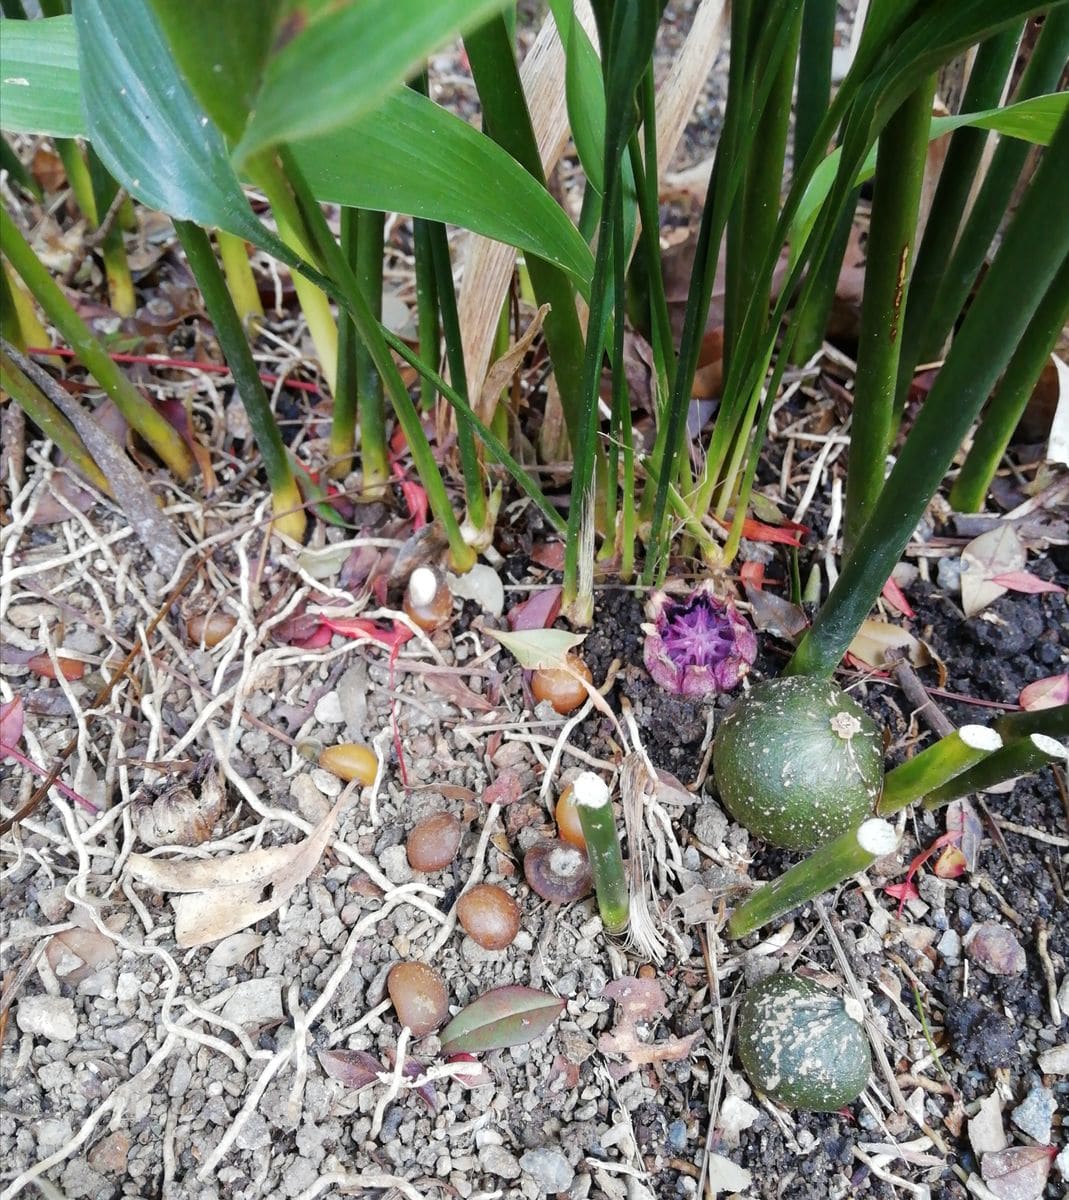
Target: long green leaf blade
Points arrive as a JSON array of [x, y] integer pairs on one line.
[[345, 59], [411, 156], [39, 86]]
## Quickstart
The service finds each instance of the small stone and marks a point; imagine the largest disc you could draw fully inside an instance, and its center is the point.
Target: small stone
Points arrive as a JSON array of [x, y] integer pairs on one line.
[[1055, 1061], [1062, 1163], [330, 785], [949, 946], [1035, 1113], [109, 1155], [255, 1134], [393, 862], [328, 710], [710, 825], [549, 1169], [127, 988], [254, 1003], [994, 948], [1063, 996], [311, 803], [948, 575], [495, 1160], [51, 1133], [49, 1017], [126, 1036]]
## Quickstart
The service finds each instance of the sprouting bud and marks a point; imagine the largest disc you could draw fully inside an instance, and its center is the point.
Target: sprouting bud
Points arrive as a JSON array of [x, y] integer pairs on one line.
[[697, 645]]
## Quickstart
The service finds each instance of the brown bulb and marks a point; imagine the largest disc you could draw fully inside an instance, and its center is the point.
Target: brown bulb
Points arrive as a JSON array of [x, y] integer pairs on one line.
[[489, 916], [568, 824], [350, 760], [419, 996], [561, 688], [71, 668], [558, 872], [434, 842], [428, 601], [209, 628]]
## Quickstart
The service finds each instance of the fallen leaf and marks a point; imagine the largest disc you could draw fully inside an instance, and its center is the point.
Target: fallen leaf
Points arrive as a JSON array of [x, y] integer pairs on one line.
[[468, 1071], [456, 690], [507, 788], [787, 534], [640, 1000], [994, 949], [1043, 693], [415, 498], [501, 372], [538, 648], [71, 668], [875, 639], [1022, 581], [991, 554], [986, 1132], [950, 864], [12, 720], [355, 1068], [538, 611], [549, 555], [773, 614], [505, 1016], [636, 999], [220, 896], [1018, 1174], [722, 1175], [896, 598], [963, 821], [1058, 442], [75, 954]]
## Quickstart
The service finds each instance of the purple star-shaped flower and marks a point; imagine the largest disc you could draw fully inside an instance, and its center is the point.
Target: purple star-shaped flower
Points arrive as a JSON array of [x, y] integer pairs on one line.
[[697, 645]]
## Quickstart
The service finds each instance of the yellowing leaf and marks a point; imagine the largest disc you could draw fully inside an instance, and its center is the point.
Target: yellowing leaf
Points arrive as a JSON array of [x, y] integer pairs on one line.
[[875, 639], [997, 552], [538, 648]]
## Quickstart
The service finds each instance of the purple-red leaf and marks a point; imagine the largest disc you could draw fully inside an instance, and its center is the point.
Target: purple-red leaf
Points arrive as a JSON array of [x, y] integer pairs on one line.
[[11, 722], [504, 1016], [537, 612], [1018, 1174], [1044, 693], [1022, 581], [355, 1068]]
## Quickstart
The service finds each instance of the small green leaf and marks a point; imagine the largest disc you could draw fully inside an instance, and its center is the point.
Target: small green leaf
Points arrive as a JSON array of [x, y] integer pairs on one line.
[[345, 59], [505, 1016], [39, 87], [536, 649]]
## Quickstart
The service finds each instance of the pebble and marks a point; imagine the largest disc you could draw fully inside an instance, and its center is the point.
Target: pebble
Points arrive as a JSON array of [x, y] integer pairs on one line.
[[311, 803], [51, 1133], [1063, 996], [109, 1155], [50, 1017], [1035, 1113], [1055, 1061], [677, 1136], [710, 825], [255, 1134], [949, 946], [126, 1036], [994, 948], [549, 1169], [254, 1003], [1062, 1163], [328, 784], [948, 575], [495, 1160], [328, 710], [393, 863]]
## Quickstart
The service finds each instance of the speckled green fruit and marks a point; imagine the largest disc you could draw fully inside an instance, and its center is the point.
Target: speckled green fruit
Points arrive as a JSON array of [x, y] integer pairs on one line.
[[801, 1045], [798, 762]]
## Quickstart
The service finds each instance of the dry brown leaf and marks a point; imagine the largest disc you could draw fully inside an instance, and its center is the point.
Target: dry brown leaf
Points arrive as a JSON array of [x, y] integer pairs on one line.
[[75, 954], [997, 552], [1018, 1174], [775, 614], [220, 896], [640, 1000], [875, 639], [500, 374]]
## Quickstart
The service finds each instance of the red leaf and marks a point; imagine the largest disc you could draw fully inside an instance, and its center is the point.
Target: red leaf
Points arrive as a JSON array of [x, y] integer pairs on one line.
[[903, 892], [1045, 693], [753, 573], [393, 637], [355, 1068], [538, 611], [787, 534], [549, 555], [415, 498], [506, 789], [316, 640], [896, 598], [41, 664], [175, 413], [12, 719], [907, 889], [468, 1071], [1022, 581]]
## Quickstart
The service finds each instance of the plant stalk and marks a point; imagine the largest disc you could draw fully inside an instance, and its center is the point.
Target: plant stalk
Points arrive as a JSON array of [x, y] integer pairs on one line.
[[289, 516], [240, 281], [138, 412], [1054, 722], [899, 174], [814, 72], [832, 864], [936, 765], [1021, 757], [594, 807]]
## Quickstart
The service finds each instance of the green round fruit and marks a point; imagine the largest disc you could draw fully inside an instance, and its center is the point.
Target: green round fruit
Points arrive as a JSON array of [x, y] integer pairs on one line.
[[798, 762], [803, 1045]]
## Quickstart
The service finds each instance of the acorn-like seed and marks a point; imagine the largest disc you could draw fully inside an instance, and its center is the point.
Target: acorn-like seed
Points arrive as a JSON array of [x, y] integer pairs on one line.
[[419, 996], [209, 628], [489, 916], [428, 601], [434, 842], [569, 826], [350, 760], [561, 687], [558, 872]]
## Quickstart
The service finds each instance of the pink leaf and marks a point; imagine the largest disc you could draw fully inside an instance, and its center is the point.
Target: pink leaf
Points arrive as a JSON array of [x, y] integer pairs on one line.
[[539, 611], [355, 1068], [316, 640], [505, 789], [963, 821], [12, 719], [1045, 693], [896, 598], [468, 1071], [393, 637], [1022, 581], [1018, 1174], [903, 891]]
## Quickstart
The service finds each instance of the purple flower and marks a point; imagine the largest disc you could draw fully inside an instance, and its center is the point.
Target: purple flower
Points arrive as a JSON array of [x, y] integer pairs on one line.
[[697, 645]]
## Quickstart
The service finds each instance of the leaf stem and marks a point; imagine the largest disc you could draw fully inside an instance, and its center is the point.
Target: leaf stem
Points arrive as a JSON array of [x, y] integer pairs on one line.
[[594, 807], [937, 765]]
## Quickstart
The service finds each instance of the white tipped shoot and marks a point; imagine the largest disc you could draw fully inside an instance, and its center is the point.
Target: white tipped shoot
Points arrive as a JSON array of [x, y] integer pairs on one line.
[[592, 803], [877, 837], [980, 737], [935, 767], [422, 587], [1020, 756], [590, 790]]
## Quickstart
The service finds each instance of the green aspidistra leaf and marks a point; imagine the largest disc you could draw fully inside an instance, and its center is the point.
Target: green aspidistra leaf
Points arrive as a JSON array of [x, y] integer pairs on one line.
[[39, 86], [344, 59], [411, 156]]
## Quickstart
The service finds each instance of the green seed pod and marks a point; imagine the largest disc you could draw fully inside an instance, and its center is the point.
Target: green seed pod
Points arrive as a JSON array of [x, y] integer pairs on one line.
[[798, 762]]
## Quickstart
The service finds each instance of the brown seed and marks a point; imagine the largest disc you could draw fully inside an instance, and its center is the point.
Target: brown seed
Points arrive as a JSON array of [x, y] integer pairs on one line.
[[428, 601], [209, 628], [489, 916], [561, 687], [434, 842], [558, 872], [568, 824], [350, 760], [419, 996], [41, 664]]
